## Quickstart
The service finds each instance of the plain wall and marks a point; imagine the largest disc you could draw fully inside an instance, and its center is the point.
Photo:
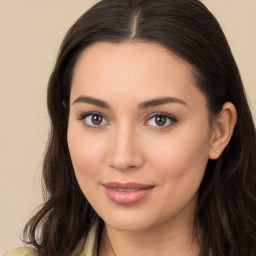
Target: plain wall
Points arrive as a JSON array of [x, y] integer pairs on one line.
[[30, 34]]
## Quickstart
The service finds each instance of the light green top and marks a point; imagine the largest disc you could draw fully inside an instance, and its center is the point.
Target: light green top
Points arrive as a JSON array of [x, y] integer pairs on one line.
[[21, 252], [87, 248]]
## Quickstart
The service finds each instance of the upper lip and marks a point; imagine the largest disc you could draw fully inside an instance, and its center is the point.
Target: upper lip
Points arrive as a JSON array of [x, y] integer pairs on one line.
[[126, 185]]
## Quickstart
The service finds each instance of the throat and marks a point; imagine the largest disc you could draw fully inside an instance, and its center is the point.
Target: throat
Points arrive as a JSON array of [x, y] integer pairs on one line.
[[124, 244]]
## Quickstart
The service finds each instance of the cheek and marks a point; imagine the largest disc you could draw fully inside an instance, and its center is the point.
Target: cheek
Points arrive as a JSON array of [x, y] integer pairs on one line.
[[183, 154], [179, 163], [86, 153]]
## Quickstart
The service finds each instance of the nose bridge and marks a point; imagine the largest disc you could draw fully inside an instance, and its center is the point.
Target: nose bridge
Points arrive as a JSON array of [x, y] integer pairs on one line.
[[125, 151]]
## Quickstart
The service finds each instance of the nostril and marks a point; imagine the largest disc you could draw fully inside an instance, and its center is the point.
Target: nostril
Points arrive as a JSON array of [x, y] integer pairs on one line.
[[123, 151]]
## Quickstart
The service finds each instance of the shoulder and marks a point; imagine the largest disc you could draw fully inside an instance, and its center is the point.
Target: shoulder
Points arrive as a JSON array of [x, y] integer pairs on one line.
[[25, 251]]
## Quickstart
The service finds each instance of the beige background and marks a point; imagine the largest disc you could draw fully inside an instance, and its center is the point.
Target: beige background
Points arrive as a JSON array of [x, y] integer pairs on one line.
[[30, 34]]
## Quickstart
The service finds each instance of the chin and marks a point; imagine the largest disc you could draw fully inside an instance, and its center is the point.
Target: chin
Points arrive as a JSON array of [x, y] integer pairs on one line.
[[130, 221]]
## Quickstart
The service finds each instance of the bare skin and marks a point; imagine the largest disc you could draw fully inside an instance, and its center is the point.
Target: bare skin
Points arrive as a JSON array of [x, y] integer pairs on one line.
[[137, 116]]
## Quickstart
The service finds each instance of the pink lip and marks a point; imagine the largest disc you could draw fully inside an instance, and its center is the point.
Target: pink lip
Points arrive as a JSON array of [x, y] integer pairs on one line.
[[127, 193]]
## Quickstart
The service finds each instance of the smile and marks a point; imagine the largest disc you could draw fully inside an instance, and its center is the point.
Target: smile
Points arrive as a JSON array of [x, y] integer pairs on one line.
[[127, 193]]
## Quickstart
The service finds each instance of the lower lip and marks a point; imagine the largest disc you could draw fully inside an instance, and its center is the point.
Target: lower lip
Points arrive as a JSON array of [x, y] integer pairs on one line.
[[127, 197]]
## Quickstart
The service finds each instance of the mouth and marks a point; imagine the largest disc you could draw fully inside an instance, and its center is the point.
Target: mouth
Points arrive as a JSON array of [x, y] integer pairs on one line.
[[127, 193]]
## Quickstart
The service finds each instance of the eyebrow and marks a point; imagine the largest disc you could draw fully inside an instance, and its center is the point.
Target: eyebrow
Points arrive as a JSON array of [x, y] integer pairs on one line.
[[143, 105], [160, 101], [90, 100]]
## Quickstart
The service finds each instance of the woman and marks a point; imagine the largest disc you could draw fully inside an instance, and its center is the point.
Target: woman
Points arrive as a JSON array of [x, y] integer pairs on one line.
[[152, 147]]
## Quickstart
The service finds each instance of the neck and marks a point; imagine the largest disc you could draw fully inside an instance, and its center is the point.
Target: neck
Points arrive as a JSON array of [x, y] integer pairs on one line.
[[169, 239]]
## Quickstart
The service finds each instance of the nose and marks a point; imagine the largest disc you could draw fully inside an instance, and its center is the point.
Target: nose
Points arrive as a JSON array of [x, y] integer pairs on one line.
[[125, 151]]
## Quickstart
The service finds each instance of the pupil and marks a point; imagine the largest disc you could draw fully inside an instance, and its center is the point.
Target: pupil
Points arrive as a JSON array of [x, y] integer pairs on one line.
[[96, 119], [160, 120]]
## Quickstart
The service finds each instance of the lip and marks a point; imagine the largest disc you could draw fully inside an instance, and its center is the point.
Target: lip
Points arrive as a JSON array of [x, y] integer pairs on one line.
[[127, 193]]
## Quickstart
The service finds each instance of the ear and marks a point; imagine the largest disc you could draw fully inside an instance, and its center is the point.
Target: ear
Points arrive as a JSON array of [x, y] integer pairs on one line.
[[222, 130]]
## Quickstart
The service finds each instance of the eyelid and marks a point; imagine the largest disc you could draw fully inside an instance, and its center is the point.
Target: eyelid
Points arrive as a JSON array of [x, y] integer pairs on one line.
[[172, 118], [84, 115]]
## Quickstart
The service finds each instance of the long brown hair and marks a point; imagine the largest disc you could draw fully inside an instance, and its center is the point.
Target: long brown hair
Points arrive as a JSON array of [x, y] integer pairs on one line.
[[226, 209]]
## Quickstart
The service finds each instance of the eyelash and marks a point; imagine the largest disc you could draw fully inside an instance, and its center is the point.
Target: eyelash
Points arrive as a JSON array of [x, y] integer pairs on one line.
[[84, 116], [169, 117]]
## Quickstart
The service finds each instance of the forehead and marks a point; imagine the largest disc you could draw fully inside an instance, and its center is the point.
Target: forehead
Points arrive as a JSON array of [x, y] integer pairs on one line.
[[133, 56], [147, 69]]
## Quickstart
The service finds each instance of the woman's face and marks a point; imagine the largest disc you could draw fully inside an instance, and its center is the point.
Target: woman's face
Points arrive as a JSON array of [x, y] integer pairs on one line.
[[138, 134]]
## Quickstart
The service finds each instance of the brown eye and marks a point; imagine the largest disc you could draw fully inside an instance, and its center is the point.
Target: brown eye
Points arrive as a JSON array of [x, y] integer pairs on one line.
[[161, 120], [94, 120]]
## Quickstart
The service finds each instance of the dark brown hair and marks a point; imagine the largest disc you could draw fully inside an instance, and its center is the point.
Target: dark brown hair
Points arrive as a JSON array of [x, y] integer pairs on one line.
[[226, 209]]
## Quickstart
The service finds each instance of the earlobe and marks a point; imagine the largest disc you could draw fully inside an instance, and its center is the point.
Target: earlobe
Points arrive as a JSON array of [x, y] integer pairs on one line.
[[222, 130]]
